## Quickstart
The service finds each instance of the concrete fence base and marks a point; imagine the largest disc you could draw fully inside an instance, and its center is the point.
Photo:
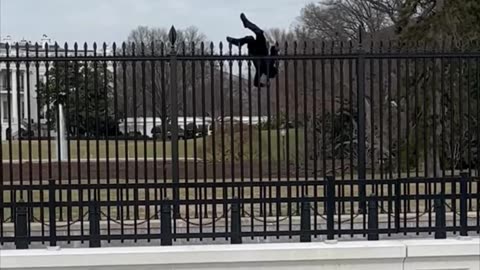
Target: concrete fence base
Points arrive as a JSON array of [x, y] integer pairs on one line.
[[461, 253]]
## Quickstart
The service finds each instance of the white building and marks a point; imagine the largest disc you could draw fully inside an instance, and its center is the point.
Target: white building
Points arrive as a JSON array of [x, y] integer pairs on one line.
[[18, 87], [14, 97]]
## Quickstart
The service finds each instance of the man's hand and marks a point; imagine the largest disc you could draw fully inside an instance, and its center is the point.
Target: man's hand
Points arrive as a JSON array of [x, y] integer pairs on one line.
[[274, 50]]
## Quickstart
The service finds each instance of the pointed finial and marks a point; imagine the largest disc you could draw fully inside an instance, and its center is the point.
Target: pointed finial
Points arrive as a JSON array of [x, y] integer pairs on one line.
[[172, 35]]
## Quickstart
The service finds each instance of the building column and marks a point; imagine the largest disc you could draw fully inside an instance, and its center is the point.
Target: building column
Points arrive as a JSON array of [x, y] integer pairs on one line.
[[33, 97], [25, 95], [14, 107]]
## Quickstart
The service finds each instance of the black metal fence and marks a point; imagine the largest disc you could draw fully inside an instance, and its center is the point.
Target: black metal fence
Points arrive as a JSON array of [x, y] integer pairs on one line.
[[147, 142], [230, 211]]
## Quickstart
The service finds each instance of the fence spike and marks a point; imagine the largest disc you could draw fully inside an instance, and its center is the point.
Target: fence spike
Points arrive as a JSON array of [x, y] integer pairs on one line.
[[172, 36]]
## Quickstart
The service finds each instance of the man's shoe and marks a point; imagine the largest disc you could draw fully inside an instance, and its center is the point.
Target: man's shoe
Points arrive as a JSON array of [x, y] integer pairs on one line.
[[248, 24], [244, 20]]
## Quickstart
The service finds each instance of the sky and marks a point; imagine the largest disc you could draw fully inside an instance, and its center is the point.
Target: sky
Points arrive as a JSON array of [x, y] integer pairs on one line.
[[112, 20]]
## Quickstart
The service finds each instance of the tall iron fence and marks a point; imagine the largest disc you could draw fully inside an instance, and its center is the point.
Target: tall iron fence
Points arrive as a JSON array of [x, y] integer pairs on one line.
[[135, 125]]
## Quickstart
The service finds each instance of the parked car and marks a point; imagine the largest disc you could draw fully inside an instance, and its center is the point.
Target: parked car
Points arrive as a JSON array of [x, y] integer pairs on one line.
[[157, 133]]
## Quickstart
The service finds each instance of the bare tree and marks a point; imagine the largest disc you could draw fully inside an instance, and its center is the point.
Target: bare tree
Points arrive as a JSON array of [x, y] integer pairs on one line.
[[341, 19], [145, 88]]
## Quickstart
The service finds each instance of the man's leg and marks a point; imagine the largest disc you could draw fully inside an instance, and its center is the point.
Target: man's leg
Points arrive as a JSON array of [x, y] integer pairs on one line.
[[241, 41], [257, 78], [273, 65], [248, 24]]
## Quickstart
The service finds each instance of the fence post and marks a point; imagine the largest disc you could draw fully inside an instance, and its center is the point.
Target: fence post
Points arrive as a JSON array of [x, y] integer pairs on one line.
[[463, 204], [52, 213], [361, 121], [305, 234], [330, 207], [174, 118], [166, 224], [94, 223], [236, 223], [21, 226], [440, 223], [372, 218], [398, 205]]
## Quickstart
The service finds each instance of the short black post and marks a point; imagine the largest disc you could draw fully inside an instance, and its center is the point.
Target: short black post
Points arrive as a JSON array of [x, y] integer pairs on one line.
[[236, 224], [21, 226], [463, 205], [440, 223], [52, 213], [166, 224], [372, 218], [94, 222], [305, 233], [330, 207]]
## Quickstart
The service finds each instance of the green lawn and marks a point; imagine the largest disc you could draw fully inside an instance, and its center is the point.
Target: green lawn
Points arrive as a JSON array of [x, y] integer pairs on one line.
[[143, 149], [89, 148]]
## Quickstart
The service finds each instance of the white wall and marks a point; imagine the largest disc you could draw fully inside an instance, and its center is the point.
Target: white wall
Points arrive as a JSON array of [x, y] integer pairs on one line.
[[391, 255], [454, 254]]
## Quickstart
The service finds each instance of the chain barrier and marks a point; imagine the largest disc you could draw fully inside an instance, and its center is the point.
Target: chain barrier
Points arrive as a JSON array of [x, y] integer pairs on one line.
[[411, 218], [61, 226], [335, 221], [458, 213], [208, 223], [9, 219], [270, 222], [121, 222]]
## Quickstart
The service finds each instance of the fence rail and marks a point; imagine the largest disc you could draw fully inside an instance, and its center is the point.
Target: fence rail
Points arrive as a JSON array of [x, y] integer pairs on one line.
[[148, 127]]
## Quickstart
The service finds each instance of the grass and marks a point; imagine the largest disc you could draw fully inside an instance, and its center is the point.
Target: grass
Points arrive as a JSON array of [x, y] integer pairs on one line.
[[141, 149], [84, 148]]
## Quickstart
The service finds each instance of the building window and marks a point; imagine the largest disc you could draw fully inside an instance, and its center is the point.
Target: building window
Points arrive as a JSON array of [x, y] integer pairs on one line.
[[22, 82], [22, 109], [5, 114], [4, 80]]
